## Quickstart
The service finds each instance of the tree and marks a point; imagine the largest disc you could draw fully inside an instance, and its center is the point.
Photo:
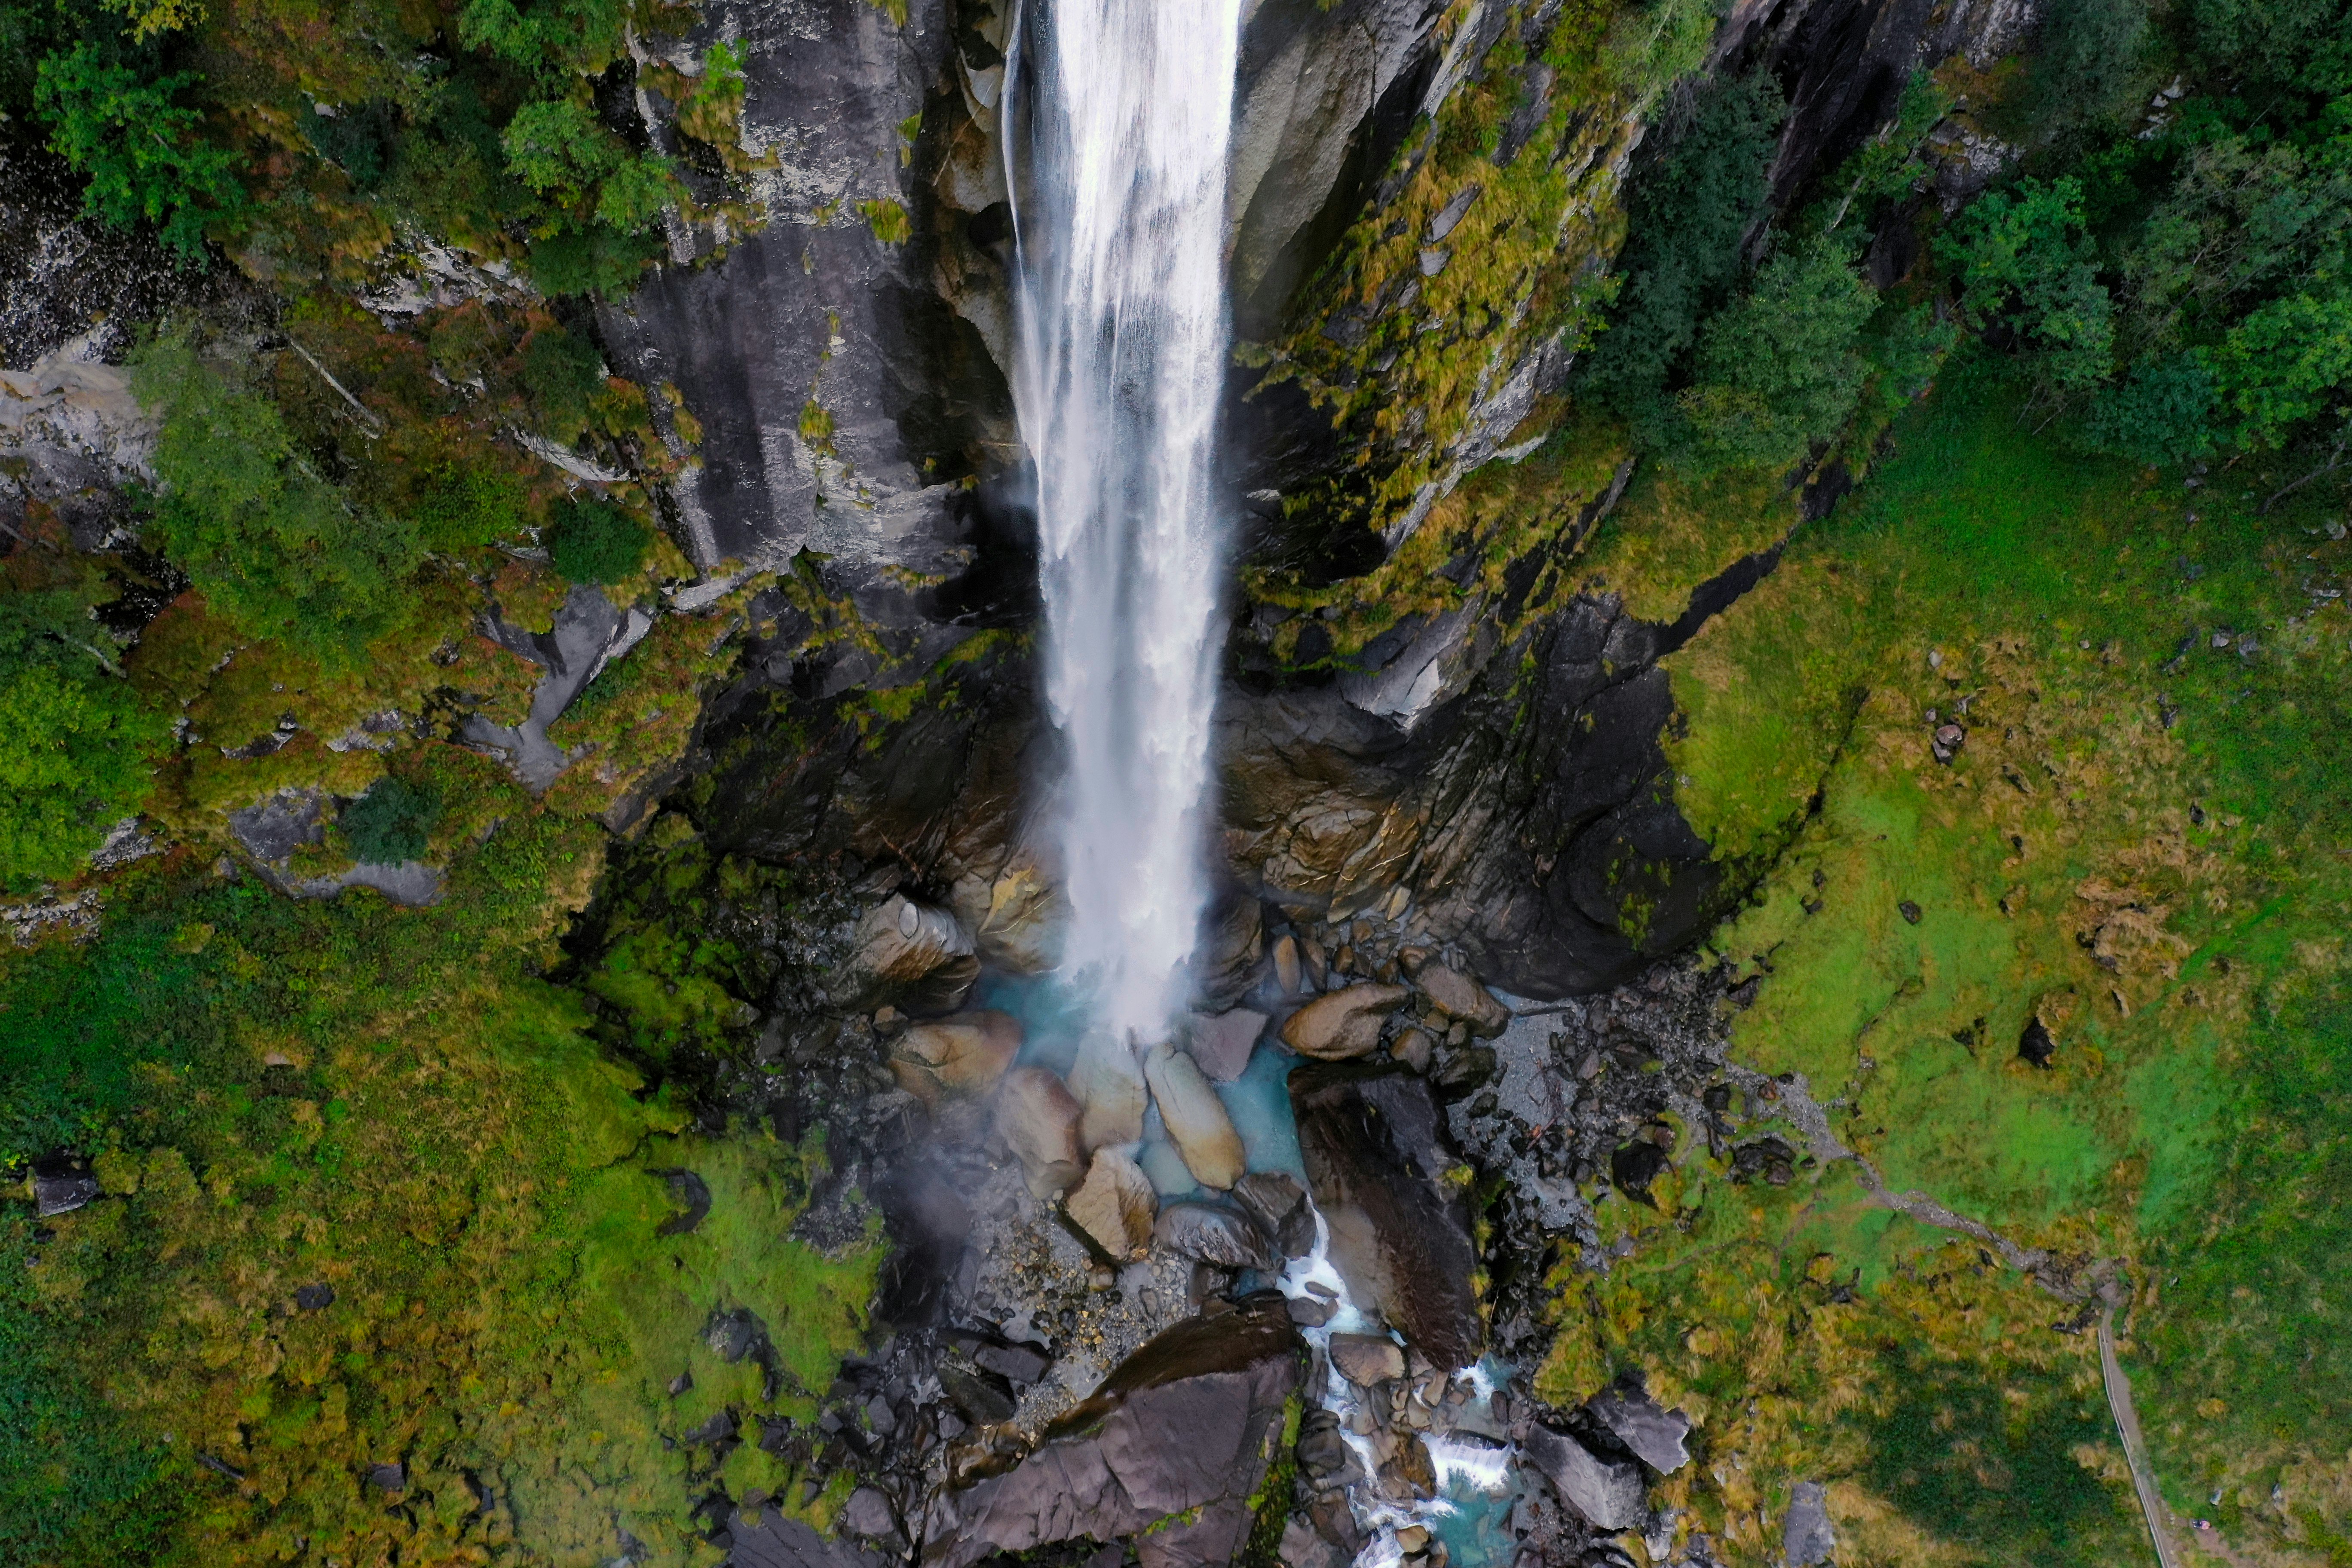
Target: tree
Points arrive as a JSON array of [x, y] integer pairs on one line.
[[270, 543], [1778, 369], [144, 155], [2024, 259]]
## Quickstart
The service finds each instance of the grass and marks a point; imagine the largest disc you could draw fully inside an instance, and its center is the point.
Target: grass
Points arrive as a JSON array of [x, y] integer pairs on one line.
[[2139, 843], [398, 1105]]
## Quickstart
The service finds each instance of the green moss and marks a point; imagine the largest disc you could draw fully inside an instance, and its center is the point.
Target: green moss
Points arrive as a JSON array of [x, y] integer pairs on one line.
[[2130, 843]]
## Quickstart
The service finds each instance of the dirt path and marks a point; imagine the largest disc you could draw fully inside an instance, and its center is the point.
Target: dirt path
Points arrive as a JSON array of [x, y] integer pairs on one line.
[[1799, 1106], [2119, 1401]]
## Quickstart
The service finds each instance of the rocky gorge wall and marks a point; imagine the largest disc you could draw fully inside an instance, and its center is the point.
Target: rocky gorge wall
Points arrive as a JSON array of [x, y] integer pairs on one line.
[[1424, 693]]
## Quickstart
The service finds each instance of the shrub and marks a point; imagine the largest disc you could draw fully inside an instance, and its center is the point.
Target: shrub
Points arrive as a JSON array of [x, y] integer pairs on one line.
[[390, 823], [596, 541], [2162, 414], [76, 749], [564, 375]]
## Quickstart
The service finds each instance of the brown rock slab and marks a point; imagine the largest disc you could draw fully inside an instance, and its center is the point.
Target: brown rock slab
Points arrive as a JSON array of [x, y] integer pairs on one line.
[[1038, 1117], [1195, 1118], [1116, 1205], [1367, 1359]]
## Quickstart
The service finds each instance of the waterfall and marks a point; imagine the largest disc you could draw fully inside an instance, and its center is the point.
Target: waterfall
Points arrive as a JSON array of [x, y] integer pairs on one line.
[[1118, 114]]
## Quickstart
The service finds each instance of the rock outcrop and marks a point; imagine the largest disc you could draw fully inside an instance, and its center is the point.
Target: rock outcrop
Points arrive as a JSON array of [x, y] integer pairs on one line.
[[1169, 1454], [1386, 1177]]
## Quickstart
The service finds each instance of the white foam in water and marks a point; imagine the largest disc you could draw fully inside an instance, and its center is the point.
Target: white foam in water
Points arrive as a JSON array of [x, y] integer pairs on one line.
[[1122, 110], [1460, 1466]]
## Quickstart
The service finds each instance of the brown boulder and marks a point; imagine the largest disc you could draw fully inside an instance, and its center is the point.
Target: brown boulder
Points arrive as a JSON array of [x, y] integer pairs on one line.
[[964, 1055], [1342, 1023], [1459, 996], [1115, 1206], [1038, 1117]]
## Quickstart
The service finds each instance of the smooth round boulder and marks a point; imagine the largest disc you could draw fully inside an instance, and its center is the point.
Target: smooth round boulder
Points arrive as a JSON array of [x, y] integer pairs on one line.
[[1213, 1235], [1195, 1118], [961, 1056]]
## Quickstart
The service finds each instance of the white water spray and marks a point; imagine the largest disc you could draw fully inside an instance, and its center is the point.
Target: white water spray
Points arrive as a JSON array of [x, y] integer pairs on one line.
[[1119, 113]]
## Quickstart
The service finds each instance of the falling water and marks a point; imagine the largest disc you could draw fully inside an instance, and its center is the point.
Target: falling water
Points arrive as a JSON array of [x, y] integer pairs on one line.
[[1118, 114]]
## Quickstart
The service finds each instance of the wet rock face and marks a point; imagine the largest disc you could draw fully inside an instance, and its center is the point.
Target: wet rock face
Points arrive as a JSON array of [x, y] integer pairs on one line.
[[1536, 829], [1383, 1169], [1174, 1444]]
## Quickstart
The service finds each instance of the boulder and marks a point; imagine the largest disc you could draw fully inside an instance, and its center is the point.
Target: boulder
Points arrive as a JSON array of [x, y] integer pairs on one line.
[[1367, 1359], [1381, 1168], [61, 1184], [1114, 1204], [1018, 927], [1344, 1023], [1213, 1235], [1607, 1492], [1655, 1434], [1108, 1078], [910, 954], [1168, 1453], [1279, 1206], [1038, 1119], [955, 1057], [1806, 1538], [1459, 996], [1287, 972], [1222, 1044], [1195, 1118]]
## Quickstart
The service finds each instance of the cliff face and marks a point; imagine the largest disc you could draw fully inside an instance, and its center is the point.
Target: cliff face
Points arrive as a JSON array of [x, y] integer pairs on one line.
[[1424, 206]]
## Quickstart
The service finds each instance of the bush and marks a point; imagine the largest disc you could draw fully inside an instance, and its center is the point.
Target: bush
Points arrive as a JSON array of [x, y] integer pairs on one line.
[[76, 747], [269, 544], [596, 541], [1778, 370], [390, 823], [2162, 414], [564, 375]]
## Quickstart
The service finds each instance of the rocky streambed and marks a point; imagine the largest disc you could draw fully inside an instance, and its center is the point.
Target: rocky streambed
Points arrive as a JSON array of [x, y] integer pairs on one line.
[[1277, 1294]]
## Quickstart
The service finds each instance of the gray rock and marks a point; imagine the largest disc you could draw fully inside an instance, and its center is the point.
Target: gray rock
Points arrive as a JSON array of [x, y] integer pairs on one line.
[[1654, 1434], [1279, 1206], [1806, 1539], [1168, 1452], [590, 632], [1301, 1547], [1222, 1236], [1377, 1157], [1020, 1364], [1607, 1492], [314, 1298], [61, 1185], [868, 1513], [272, 829], [765, 1538], [1038, 1117], [1222, 1045]]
